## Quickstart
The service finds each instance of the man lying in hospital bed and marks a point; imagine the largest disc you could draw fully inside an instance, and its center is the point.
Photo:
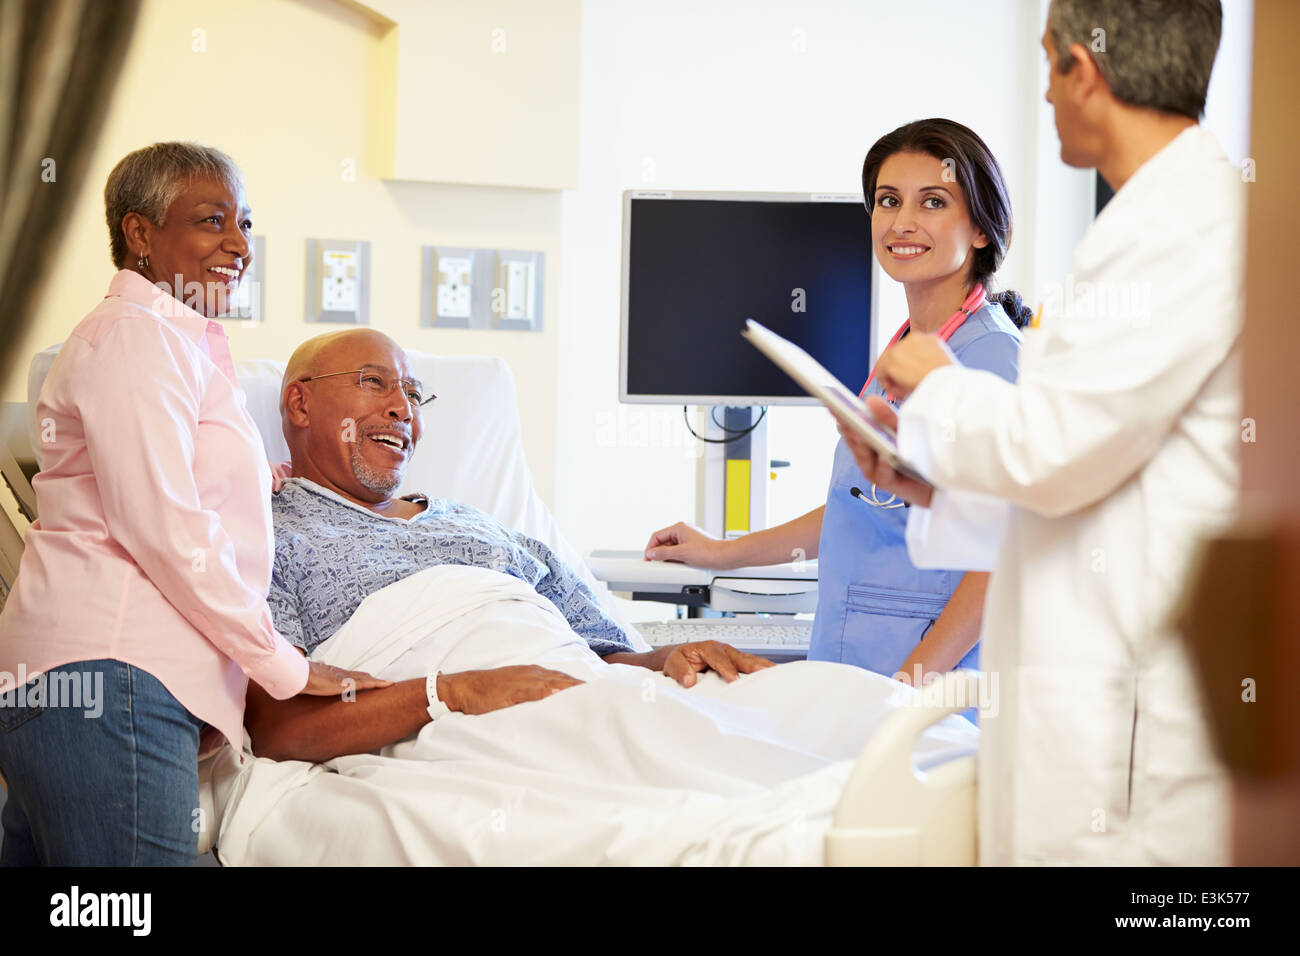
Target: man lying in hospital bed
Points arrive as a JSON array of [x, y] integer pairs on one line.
[[341, 536], [554, 741]]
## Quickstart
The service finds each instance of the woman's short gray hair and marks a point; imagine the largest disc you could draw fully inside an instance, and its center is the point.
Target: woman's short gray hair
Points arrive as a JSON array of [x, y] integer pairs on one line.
[[1156, 54], [148, 181]]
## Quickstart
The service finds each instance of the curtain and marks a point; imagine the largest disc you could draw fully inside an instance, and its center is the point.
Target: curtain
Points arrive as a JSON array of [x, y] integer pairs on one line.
[[59, 62]]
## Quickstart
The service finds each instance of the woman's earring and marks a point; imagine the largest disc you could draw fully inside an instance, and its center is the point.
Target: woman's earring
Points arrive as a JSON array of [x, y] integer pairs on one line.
[[142, 262]]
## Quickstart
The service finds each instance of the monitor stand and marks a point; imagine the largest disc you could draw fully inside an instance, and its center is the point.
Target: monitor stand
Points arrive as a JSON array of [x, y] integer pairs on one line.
[[732, 478], [722, 508]]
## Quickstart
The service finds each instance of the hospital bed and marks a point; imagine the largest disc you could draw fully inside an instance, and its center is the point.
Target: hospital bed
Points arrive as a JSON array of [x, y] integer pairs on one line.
[[889, 812]]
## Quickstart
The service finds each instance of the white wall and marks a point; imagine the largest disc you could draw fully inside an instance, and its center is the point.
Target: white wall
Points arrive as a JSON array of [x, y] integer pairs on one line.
[[1227, 107], [685, 95], [720, 95]]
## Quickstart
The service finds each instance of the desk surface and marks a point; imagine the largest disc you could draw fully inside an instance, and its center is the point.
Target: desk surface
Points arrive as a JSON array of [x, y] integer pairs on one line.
[[624, 567]]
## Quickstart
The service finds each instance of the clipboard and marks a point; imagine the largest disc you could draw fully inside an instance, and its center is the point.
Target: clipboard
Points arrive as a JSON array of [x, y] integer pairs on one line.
[[813, 377]]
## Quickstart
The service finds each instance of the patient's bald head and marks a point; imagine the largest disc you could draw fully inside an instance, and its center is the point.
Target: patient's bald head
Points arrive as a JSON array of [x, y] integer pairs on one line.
[[354, 432]]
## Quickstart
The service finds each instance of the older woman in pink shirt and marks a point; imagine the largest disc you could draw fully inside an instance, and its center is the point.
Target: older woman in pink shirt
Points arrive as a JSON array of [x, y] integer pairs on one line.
[[139, 613]]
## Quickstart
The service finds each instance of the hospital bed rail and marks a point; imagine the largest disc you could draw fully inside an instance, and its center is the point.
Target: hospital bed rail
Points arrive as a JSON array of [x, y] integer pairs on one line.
[[893, 815]]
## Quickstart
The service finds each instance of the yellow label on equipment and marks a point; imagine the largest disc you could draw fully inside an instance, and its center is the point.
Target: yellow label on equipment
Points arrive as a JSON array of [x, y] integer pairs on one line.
[[737, 517]]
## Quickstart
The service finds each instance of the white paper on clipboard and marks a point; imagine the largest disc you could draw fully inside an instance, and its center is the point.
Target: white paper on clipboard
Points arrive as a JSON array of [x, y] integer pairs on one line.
[[826, 388]]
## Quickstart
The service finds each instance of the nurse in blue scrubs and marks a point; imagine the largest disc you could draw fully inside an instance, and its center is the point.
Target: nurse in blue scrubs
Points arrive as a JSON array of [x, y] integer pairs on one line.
[[940, 225]]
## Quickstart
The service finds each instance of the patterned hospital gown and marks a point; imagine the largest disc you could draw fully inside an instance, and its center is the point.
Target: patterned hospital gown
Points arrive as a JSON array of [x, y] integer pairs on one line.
[[330, 554]]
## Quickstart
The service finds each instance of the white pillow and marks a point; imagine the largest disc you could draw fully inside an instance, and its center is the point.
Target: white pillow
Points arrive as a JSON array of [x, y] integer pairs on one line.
[[471, 450]]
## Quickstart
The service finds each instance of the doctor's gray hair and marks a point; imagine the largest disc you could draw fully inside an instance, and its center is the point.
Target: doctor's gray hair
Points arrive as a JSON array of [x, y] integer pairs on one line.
[[987, 199], [148, 181], [1156, 54]]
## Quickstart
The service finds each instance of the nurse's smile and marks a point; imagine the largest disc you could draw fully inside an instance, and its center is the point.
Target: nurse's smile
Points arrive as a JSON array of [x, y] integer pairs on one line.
[[902, 252]]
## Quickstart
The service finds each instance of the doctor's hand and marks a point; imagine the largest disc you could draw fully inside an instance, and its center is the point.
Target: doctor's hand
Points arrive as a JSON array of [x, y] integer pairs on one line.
[[479, 692], [687, 544], [874, 468], [324, 680], [685, 661], [909, 360]]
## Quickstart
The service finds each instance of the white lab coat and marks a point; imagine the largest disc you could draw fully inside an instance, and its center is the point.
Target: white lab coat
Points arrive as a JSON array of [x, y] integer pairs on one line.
[[1114, 452]]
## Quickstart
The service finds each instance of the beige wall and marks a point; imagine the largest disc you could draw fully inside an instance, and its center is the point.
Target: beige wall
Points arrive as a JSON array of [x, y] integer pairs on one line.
[[499, 77], [292, 89]]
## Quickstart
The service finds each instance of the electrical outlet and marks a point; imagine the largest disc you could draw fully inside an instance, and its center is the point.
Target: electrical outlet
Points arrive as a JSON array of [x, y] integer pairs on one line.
[[338, 281], [448, 286], [517, 290], [454, 274], [463, 288], [339, 290]]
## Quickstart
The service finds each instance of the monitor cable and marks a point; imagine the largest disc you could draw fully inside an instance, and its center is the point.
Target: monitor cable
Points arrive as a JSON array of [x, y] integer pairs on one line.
[[733, 434]]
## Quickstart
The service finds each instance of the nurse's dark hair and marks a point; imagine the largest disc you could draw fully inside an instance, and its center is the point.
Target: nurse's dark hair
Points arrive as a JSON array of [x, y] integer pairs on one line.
[[970, 162], [148, 180]]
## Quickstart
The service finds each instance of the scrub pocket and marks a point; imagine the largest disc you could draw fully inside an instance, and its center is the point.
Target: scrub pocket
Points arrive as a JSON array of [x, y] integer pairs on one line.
[[882, 626]]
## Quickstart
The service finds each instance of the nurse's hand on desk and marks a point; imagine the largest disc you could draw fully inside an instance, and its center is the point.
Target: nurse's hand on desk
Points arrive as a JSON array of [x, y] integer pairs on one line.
[[909, 360], [324, 680], [685, 661], [874, 468], [687, 544]]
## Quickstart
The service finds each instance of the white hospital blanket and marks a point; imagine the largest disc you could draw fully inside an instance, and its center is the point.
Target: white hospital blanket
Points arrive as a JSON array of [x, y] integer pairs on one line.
[[628, 768]]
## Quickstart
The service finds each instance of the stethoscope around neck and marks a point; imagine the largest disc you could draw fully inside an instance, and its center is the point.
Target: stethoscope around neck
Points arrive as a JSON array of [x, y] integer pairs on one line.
[[893, 502], [974, 300]]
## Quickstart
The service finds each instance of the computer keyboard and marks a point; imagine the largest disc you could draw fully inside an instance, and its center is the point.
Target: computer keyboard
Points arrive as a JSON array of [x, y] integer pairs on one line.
[[762, 636]]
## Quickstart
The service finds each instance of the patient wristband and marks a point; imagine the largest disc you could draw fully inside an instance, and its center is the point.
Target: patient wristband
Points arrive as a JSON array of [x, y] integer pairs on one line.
[[436, 707]]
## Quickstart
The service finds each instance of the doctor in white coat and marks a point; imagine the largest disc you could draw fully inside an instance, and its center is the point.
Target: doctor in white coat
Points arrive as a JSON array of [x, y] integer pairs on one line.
[[1086, 485]]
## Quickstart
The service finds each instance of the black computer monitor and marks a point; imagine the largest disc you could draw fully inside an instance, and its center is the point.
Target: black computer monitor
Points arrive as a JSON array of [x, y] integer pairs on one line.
[[696, 265]]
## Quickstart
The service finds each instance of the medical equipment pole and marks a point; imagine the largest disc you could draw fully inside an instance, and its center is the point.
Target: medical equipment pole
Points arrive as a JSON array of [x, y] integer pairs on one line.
[[731, 487]]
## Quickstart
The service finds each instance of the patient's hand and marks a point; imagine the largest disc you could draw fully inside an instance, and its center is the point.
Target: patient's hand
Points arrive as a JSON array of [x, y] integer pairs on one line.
[[686, 660], [478, 692]]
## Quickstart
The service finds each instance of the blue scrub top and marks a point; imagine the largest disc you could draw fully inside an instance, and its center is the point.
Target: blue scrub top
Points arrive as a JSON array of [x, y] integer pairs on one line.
[[873, 604]]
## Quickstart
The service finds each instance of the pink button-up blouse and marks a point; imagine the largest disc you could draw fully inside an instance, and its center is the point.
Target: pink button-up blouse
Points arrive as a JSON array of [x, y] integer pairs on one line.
[[154, 543]]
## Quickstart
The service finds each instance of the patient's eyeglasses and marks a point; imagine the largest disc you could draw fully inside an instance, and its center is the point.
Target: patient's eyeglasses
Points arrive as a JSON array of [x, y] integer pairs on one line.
[[379, 381]]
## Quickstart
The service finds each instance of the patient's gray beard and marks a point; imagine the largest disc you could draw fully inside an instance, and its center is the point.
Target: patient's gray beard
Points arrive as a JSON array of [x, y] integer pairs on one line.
[[383, 483]]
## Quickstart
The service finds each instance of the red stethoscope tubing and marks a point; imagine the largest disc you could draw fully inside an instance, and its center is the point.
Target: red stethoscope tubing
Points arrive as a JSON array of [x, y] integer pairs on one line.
[[972, 303]]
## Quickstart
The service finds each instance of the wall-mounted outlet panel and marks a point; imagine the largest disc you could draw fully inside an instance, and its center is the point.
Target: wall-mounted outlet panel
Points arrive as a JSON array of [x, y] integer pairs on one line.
[[250, 299], [338, 281], [517, 290], [481, 288], [448, 286]]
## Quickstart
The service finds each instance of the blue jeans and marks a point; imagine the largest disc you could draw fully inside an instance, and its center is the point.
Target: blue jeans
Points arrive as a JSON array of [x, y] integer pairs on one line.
[[102, 767]]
